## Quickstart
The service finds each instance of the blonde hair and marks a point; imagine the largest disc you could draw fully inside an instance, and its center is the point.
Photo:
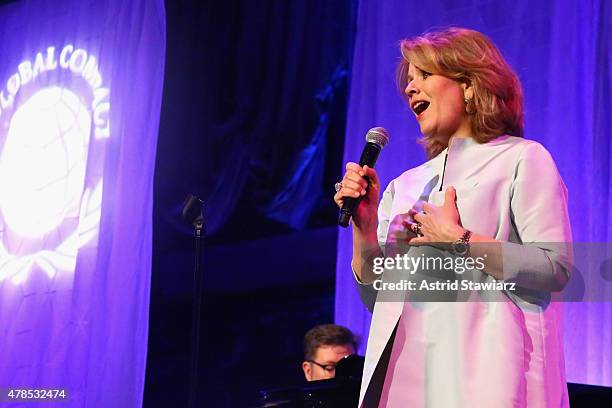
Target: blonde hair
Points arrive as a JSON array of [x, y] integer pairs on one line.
[[470, 57]]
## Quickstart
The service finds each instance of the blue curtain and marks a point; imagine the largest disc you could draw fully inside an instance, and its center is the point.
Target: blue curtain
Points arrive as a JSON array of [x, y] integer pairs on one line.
[[294, 203], [80, 97], [246, 79], [562, 53]]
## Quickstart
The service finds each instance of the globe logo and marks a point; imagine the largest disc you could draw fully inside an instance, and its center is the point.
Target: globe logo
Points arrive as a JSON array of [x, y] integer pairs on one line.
[[43, 162], [52, 150]]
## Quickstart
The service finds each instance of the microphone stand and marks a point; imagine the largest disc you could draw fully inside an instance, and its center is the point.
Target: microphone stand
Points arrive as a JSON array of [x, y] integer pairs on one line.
[[193, 213]]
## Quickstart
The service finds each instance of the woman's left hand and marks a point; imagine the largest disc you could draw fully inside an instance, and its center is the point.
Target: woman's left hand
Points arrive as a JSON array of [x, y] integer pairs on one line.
[[437, 224]]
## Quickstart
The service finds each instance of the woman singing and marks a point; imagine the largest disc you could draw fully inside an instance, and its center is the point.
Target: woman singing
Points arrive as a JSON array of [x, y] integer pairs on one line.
[[485, 193]]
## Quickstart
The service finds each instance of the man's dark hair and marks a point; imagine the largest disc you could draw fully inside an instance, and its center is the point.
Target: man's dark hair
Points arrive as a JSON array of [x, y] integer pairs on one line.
[[327, 335]]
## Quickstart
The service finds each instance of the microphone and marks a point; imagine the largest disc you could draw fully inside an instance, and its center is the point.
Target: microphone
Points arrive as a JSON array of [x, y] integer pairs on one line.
[[376, 139]]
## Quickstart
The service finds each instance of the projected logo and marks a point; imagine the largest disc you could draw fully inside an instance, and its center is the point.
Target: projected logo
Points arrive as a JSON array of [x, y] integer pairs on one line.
[[50, 165]]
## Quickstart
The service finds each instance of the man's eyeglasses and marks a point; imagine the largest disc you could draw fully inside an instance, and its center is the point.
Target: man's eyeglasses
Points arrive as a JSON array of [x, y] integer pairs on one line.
[[327, 367]]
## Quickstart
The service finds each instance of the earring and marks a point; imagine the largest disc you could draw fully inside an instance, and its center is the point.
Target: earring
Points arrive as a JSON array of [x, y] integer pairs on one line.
[[469, 106]]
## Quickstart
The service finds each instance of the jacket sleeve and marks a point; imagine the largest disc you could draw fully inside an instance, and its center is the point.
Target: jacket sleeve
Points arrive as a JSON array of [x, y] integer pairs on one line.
[[542, 261], [367, 293]]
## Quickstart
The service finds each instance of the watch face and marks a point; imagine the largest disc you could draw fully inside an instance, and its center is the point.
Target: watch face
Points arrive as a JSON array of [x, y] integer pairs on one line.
[[460, 248]]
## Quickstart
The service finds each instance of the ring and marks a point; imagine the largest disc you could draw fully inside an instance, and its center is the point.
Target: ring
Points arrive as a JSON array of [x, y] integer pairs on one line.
[[416, 228], [338, 186]]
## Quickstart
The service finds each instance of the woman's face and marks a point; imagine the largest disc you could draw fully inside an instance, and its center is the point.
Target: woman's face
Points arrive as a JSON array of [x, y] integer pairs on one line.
[[438, 104]]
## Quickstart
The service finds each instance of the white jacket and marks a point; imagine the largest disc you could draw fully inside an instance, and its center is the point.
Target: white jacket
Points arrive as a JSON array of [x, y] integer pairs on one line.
[[505, 352]]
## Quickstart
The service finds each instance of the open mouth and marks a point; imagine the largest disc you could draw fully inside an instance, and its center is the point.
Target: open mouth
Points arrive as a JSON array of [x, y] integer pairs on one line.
[[420, 107]]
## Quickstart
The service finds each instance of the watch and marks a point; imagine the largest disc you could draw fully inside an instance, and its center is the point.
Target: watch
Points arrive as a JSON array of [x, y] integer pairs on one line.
[[461, 247]]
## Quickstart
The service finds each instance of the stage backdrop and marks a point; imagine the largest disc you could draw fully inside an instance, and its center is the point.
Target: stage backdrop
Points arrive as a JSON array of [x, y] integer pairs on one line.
[[562, 52], [80, 95]]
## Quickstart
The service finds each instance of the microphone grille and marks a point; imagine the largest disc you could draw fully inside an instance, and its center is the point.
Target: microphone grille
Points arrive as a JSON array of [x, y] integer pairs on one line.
[[378, 135]]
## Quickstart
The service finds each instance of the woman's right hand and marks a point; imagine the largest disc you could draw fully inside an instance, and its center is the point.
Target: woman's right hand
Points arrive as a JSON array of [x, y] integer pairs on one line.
[[365, 216]]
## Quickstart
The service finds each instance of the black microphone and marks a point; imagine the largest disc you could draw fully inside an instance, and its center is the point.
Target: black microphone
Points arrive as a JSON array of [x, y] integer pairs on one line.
[[376, 139]]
